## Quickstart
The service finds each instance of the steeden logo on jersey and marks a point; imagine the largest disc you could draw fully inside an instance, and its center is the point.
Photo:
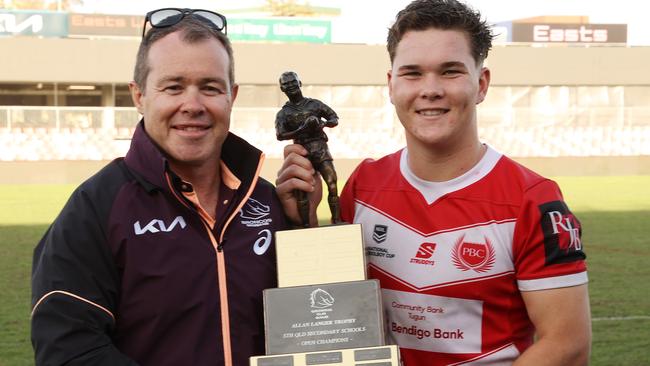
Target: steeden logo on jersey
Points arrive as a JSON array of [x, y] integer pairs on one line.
[[424, 253], [479, 257]]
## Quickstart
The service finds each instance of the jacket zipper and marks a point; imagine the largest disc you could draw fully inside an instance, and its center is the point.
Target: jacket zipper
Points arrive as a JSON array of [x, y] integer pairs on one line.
[[221, 278], [221, 268], [221, 262], [223, 295]]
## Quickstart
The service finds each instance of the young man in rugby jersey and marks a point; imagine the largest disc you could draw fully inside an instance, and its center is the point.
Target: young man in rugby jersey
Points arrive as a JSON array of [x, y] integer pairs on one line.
[[479, 258]]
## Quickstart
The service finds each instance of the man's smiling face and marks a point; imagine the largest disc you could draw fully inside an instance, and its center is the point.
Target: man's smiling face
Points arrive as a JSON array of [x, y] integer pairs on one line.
[[435, 86]]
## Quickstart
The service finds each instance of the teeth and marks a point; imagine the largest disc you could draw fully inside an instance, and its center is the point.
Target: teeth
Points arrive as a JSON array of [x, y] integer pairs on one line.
[[431, 112], [191, 129]]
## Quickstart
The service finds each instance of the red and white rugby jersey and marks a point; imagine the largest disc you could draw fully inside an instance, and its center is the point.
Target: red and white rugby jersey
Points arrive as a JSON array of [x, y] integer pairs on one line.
[[452, 257]]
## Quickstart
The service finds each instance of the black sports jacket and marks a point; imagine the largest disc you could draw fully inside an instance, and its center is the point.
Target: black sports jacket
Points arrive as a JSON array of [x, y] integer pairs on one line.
[[131, 272]]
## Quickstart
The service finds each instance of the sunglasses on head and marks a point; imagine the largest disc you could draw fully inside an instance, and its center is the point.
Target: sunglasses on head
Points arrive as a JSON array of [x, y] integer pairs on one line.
[[167, 17]]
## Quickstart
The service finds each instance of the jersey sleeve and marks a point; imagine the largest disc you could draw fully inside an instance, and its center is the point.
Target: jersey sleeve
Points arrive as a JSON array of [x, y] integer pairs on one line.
[[75, 290], [548, 251]]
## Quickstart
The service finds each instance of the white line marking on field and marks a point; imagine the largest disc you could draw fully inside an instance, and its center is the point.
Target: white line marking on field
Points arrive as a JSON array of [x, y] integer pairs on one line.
[[633, 317]]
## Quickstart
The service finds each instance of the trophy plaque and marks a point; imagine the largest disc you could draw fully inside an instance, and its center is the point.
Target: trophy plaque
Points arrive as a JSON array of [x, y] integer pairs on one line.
[[323, 317], [369, 356], [325, 311], [320, 255]]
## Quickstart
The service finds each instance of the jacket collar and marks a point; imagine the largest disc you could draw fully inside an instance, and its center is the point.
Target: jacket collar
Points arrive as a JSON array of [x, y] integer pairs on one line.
[[150, 163]]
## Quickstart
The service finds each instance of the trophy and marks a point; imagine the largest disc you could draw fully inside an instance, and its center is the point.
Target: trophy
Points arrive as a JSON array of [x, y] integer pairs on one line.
[[303, 119], [325, 311]]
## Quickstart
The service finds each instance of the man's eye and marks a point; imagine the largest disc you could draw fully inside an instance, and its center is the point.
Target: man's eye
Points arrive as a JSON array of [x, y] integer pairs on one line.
[[411, 74], [172, 88], [451, 72], [212, 90]]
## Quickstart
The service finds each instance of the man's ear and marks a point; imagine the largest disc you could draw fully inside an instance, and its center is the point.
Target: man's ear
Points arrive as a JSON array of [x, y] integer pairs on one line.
[[483, 84], [389, 77], [233, 93], [136, 95]]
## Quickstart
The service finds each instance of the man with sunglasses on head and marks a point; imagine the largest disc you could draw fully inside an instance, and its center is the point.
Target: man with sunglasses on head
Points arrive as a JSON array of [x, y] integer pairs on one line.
[[162, 256], [479, 259]]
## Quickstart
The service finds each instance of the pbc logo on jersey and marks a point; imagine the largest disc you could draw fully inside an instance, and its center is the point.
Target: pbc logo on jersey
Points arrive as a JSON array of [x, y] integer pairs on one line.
[[478, 257], [562, 232], [425, 251], [379, 233]]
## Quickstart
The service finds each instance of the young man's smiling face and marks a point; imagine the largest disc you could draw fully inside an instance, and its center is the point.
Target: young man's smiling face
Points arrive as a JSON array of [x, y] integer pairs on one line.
[[435, 85], [188, 99]]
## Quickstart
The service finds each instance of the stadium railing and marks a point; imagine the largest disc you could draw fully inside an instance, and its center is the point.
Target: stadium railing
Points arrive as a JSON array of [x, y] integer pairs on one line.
[[102, 133]]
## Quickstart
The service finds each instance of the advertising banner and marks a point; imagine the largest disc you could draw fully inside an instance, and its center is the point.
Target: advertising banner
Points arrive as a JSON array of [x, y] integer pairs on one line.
[[33, 23], [569, 33], [105, 25], [280, 30]]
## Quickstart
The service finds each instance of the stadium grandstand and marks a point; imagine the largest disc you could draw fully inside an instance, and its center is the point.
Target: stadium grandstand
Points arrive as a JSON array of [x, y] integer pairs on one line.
[[564, 93]]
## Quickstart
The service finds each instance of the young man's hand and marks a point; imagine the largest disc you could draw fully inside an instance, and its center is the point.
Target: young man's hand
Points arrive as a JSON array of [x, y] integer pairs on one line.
[[298, 173]]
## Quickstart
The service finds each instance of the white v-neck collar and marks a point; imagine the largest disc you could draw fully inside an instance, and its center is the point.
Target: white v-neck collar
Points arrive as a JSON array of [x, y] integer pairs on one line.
[[434, 190]]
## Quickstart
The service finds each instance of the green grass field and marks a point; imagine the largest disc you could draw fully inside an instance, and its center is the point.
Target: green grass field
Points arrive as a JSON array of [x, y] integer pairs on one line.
[[614, 211]]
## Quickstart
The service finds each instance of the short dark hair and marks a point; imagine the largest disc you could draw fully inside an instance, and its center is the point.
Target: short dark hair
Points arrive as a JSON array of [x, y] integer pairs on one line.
[[421, 15], [192, 30], [286, 74]]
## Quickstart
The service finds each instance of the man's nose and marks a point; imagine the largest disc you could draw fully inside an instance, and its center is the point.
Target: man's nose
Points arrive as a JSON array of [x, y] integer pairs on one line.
[[431, 87], [192, 101]]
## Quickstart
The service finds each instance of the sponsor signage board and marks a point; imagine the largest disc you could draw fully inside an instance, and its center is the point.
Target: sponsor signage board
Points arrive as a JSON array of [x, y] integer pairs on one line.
[[280, 30], [105, 25], [60, 24], [33, 23], [568, 33]]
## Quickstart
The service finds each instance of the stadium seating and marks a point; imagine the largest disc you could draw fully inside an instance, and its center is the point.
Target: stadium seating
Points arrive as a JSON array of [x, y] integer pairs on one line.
[[361, 133]]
